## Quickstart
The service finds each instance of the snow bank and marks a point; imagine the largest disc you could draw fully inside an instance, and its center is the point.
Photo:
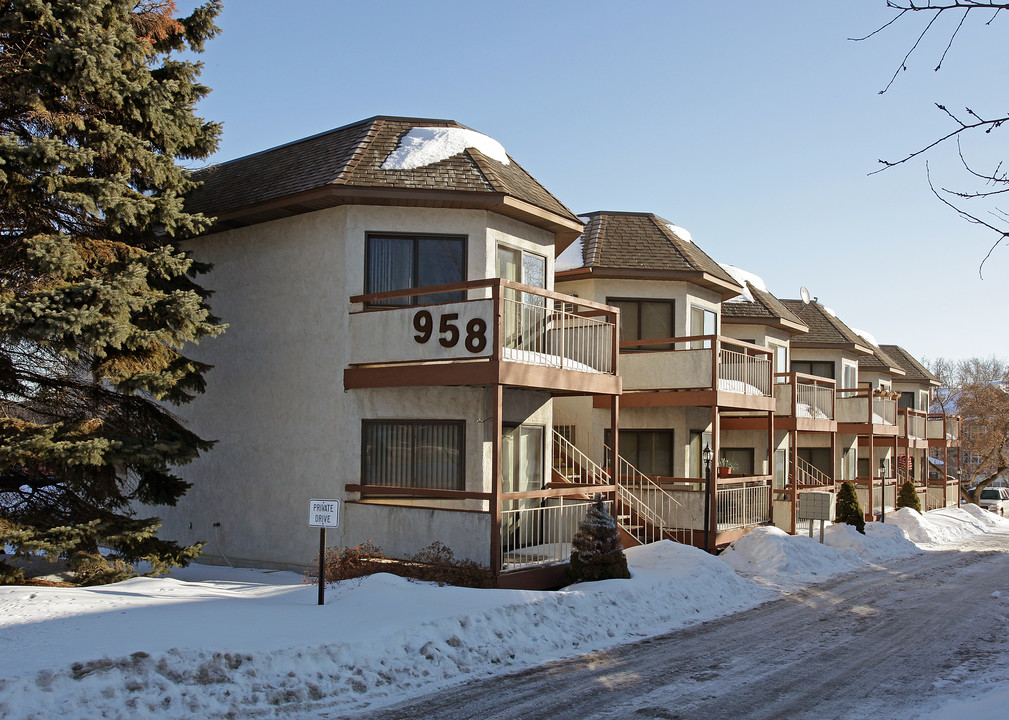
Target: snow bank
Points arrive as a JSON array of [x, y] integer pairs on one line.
[[949, 525], [217, 642], [429, 145], [881, 541], [776, 559], [175, 648]]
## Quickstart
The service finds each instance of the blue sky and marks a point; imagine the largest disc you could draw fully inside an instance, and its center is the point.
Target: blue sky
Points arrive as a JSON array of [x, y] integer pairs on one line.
[[753, 125]]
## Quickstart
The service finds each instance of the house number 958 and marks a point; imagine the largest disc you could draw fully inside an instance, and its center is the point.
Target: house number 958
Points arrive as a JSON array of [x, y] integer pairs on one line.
[[449, 334]]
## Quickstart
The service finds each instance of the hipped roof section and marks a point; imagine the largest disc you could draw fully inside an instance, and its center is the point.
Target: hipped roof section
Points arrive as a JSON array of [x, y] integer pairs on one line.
[[880, 360], [643, 246], [825, 329], [343, 166], [764, 310], [914, 371]]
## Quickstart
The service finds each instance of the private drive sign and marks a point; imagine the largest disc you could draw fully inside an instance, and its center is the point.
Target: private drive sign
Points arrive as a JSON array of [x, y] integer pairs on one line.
[[324, 513]]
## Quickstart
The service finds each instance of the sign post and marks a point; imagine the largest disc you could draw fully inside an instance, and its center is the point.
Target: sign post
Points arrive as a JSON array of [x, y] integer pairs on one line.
[[323, 514]]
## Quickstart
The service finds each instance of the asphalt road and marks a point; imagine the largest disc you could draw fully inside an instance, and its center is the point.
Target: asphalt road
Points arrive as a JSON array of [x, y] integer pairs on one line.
[[884, 643]]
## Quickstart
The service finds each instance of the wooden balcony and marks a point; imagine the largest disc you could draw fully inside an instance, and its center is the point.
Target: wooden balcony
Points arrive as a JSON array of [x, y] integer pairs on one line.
[[942, 430], [862, 411], [804, 402], [483, 332], [699, 370], [911, 428]]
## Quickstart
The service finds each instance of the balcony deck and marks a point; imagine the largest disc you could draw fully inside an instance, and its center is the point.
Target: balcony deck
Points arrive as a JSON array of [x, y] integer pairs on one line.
[[483, 332], [696, 371], [860, 411], [911, 428], [806, 403], [942, 431]]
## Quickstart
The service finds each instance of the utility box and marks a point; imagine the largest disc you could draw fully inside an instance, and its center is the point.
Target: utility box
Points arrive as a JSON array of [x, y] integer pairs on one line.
[[816, 505]]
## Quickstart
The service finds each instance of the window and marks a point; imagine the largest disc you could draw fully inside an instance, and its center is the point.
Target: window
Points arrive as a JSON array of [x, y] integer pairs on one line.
[[644, 320], [848, 459], [906, 400], [849, 378], [650, 451], [699, 439], [780, 360], [819, 458], [702, 322], [522, 458], [814, 367], [413, 453], [740, 460], [521, 266], [400, 262], [780, 473]]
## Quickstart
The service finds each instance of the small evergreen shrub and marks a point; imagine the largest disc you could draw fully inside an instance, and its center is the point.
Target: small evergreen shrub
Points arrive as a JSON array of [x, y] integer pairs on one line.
[[596, 552], [908, 497], [847, 509]]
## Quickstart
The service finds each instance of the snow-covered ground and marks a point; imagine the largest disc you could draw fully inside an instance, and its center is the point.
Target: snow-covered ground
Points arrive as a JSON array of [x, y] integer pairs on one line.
[[213, 641]]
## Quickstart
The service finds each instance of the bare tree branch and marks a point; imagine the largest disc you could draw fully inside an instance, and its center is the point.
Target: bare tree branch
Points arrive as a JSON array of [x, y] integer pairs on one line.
[[995, 182]]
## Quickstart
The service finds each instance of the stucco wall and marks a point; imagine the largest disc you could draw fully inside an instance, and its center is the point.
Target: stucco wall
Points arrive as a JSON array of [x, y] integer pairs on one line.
[[286, 429]]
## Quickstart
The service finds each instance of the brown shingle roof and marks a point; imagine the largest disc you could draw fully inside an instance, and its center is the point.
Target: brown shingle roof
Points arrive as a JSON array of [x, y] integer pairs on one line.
[[765, 307], [824, 328], [879, 360], [914, 371], [644, 243], [349, 159]]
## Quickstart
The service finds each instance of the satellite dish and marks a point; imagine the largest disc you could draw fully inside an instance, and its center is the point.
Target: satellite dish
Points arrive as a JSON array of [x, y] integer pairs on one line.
[[804, 294]]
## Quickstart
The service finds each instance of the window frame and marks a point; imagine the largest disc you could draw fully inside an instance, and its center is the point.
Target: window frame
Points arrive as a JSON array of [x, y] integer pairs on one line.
[[608, 439], [460, 469], [413, 300], [639, 300], [705, 312]]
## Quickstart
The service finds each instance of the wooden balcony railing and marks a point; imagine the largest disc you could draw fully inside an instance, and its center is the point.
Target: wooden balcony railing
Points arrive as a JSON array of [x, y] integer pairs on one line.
[[943, 427], [912, 423], [863, 405], [493, 320], [804, 396], [697, 362]]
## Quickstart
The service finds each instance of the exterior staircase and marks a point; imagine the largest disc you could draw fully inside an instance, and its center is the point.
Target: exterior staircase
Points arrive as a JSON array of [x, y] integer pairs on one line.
[[645, 512]]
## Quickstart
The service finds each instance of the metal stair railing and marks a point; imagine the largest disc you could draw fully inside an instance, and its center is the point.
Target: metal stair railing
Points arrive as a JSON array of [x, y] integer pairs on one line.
[[642, 520], [808, 474]]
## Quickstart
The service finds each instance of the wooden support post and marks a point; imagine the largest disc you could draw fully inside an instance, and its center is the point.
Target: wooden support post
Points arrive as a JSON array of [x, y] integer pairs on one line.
[[713, 484], [614, 447], [793, 486], [497, 427], [770, 460]]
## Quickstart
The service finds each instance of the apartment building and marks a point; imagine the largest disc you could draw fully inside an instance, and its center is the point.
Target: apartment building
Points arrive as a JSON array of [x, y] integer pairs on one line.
[[395, 343]]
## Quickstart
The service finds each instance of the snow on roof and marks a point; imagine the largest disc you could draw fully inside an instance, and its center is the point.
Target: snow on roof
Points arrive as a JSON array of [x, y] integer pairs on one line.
[[571, 257], [682, 233], [742, 277], [866, 336], [429, 145], [829, 311]]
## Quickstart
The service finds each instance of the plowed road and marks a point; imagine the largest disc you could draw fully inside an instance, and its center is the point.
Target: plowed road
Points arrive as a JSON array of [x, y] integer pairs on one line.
[[883, 643]]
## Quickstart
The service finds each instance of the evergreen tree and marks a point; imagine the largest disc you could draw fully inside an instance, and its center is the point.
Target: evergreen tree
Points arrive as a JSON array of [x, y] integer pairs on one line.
[[97, 109], [596, 553], [847, 509], [908, 497]]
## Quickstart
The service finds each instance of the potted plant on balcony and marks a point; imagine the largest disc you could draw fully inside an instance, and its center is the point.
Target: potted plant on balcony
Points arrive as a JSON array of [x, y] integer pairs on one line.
[[725, 467]]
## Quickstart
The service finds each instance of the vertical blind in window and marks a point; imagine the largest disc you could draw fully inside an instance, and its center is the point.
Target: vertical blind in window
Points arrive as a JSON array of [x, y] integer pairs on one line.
[[401, 262], [418, 454]]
